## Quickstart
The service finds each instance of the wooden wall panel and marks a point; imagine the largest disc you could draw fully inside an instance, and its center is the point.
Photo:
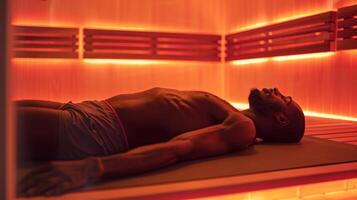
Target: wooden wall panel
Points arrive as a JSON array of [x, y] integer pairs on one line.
[[323, 84], [243, 15], [203, 16], [78, 79], [74, 80]]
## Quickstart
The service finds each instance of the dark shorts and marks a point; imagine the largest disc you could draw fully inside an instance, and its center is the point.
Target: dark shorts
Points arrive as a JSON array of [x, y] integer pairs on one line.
[[90, 128]]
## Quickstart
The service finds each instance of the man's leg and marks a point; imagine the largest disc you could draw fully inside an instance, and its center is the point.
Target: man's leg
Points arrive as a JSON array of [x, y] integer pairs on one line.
[[38, 103], [38, 130]]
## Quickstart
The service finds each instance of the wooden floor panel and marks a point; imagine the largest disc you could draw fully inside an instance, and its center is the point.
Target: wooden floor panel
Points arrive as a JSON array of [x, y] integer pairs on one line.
[[332, 129]]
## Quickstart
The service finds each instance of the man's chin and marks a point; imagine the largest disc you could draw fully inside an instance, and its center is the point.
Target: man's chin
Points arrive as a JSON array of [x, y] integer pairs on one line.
[[254, 90]]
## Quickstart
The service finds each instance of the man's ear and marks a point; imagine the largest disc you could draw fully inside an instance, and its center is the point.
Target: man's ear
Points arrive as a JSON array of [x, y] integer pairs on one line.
[[282, 119]]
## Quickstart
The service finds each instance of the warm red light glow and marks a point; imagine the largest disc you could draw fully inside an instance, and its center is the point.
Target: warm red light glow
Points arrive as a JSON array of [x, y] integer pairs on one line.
[[282, 58], [324, 190], [249, 61], [123, 61], [329, 116], [242, 106], [257, 25], [283, 19], [302, 56]]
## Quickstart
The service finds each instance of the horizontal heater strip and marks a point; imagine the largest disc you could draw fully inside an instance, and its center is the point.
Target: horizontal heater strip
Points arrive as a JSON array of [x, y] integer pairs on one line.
[[45, 42], [305, 35], [347, 33], [115, 44]]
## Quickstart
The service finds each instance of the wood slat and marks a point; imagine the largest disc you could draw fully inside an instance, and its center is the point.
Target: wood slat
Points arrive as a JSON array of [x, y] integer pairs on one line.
[[173, 48], [39, 46], [151, 34], [144, 56], [323, 132], [108, 40], [102, 40], [347, 23], [353, 143], [346, 139], [347, 33], [331, 129], [347, 44], [337, 135], [45, 30], [46, 38], [45, 54], [322, 124]]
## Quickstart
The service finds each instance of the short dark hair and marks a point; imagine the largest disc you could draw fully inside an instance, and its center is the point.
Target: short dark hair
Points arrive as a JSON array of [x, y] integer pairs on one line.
[[291, 133]]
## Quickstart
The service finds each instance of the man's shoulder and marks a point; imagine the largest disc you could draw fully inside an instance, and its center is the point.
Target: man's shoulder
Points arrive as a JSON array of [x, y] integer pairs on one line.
[[241, 132]]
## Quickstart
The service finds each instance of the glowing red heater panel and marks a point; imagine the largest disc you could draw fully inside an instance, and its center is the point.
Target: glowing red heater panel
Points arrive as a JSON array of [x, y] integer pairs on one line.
[[117, 44], [347, 32], [45, 42], [304, 35]]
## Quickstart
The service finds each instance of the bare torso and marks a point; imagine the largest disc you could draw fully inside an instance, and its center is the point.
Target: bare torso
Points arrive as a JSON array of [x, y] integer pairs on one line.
[[160, 114]]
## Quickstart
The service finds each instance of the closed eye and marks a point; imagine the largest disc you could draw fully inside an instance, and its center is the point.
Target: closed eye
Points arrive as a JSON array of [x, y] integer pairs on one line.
[[288, 99]]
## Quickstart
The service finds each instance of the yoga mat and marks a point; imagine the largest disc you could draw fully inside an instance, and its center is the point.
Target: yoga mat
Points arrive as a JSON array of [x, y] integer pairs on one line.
[[260, 158]]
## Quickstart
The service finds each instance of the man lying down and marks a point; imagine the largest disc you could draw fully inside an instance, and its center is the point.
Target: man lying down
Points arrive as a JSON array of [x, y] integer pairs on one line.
[[133, 133]]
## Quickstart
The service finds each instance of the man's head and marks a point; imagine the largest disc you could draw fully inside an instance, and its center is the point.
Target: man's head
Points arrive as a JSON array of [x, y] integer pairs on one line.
[[277, 117]]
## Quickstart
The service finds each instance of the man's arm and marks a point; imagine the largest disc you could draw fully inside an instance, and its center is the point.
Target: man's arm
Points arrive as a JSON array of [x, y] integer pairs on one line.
[[62, 176], [233, 134]]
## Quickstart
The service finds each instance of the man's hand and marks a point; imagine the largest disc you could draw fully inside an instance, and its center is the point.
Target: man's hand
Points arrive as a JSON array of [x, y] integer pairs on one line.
[[58, 177]]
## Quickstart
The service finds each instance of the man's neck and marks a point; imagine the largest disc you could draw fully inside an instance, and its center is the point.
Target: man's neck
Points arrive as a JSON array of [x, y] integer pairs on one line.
[[249, 113]]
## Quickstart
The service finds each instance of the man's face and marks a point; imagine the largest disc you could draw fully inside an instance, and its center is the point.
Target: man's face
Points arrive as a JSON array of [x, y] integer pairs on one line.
[[268, 101]]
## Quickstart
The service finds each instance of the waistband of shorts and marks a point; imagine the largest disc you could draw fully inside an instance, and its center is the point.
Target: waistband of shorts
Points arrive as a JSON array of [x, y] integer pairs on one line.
[[120, 122]]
